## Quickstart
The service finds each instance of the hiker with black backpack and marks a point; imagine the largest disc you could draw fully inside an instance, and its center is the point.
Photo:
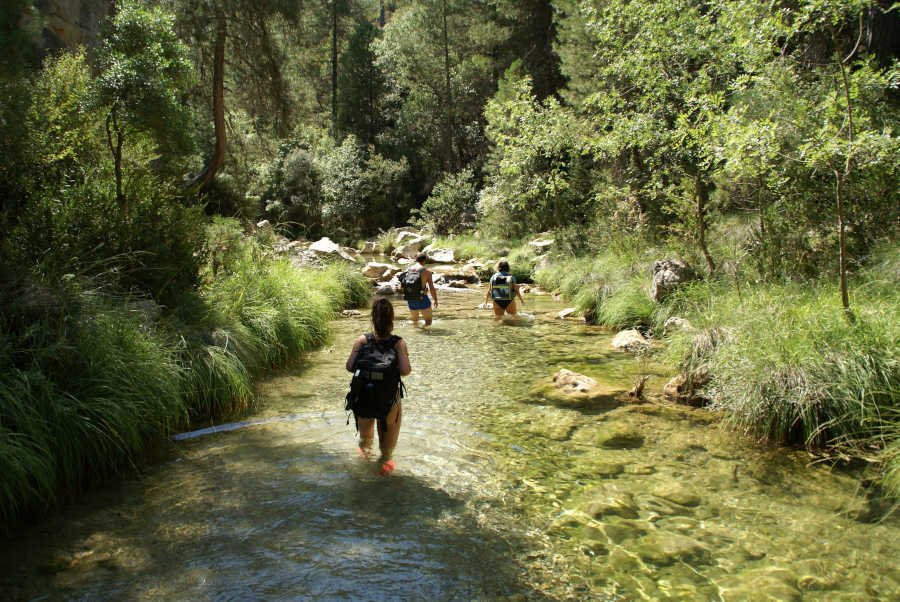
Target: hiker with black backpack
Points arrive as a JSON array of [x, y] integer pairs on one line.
[[503, 290], [377, 361], [416, 282]]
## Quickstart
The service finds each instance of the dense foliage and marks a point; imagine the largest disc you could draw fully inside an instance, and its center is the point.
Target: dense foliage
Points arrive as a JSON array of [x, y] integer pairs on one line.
[[756, 141]]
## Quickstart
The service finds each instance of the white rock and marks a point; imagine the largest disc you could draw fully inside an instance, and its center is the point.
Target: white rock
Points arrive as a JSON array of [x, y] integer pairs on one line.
[[441, 255], [372, 248], [629, 340], [541, 244], [325, 245], [568, 312]]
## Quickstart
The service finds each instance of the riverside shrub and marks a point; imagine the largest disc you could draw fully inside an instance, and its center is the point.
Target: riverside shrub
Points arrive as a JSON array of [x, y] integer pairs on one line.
[[792, 369], [89, 378]]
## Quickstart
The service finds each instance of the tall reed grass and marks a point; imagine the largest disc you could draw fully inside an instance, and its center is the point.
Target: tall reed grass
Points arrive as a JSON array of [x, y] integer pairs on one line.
[[792, 369], [610, 288], [88, 381]]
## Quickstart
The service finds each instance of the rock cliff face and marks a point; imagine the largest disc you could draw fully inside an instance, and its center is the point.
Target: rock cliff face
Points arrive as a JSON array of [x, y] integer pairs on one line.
[[68, 23]]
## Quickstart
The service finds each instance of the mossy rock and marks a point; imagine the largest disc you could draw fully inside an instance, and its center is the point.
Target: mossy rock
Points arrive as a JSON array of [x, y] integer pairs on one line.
[[610, 500], [766, 584], [663, 548], [567, 388], [609, 436]]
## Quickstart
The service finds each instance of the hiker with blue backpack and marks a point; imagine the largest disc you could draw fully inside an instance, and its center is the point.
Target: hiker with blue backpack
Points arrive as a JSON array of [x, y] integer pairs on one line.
[[503, 290], [416, 282], [377, 361]]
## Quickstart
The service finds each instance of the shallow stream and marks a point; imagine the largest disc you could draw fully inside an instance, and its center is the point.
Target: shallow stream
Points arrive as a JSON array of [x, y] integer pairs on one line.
[[500, 492]]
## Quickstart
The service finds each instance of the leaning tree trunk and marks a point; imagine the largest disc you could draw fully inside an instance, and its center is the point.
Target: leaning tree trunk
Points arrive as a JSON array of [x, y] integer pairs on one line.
[[218, 157]]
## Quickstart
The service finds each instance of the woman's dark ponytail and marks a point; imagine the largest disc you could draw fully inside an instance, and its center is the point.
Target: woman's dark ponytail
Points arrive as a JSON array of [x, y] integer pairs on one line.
[[383, 317]]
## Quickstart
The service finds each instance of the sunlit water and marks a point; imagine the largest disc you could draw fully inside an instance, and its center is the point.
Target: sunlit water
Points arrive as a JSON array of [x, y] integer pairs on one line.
[[501, 492]]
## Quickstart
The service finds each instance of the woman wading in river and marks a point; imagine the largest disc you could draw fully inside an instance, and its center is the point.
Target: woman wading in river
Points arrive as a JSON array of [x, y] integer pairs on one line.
[[377, 361], [502, 291]]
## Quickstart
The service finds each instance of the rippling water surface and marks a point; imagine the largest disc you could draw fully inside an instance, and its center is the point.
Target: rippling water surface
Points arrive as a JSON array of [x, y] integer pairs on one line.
[[501, 492]]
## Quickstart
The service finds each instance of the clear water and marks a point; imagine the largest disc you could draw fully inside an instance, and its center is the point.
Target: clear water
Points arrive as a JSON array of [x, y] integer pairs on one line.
[[501, 492]]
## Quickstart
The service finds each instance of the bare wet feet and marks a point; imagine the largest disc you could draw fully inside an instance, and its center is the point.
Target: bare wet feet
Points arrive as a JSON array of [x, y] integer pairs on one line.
[[387, 467]]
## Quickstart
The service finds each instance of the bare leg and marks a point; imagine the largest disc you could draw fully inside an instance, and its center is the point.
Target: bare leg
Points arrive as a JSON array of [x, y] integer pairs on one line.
[[511, 308], [366, 434], [414, 316], [498, 312], [387, 439], [426, 313]]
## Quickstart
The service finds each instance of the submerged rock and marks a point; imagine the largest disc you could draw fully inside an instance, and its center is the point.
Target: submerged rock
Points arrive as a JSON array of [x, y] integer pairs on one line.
[[611, 500], [572, 382], [622, 438], [567, 387], [770, 583], [663, 548], [677, 493]]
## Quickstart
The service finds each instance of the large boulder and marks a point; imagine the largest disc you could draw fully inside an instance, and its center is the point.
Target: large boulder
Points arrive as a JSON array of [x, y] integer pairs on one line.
[[372, 247], [439, 255], [327, 247], [668, 274], [409, 247], [388, 288], [377, 271], [448, 273]]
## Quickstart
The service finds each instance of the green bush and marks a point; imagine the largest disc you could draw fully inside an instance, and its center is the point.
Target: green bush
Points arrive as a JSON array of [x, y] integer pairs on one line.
[[450, 209]]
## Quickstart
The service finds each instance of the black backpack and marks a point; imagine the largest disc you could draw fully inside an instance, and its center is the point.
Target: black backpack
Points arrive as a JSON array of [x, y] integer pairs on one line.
[[411, 281], [376, 380]]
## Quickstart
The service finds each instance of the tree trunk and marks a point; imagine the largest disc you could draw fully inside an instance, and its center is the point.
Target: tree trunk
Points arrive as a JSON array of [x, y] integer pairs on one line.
[[842, 266], [218, 157], [116, 151], [334, 68], [702, 197], [449, 142], [840, 176]]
